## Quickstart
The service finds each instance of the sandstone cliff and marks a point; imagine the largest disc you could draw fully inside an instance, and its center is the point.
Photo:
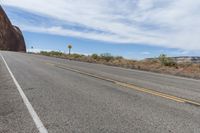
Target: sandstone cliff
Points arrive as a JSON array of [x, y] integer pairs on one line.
[[11, 37]]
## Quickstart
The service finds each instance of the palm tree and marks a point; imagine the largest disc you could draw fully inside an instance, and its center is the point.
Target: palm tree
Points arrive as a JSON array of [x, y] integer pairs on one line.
[[69, 47]]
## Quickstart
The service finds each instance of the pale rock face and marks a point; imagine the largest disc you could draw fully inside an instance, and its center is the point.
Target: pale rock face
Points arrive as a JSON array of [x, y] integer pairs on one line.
[[11, 37]]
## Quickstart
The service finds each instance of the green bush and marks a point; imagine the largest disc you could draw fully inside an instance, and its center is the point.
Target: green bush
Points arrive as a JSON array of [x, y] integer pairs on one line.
[[52, 53], [166, 61], [95, 56], [107, 57], [45, 53], [75, 56], [56, 53], [119, 57]]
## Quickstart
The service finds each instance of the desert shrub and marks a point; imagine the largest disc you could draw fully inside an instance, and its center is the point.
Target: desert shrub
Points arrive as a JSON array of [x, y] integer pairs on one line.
[[76, 56], [107, 57], [56, 53], [166, 61], [51, 53], [153, 61], [119, 57], [95, 56], [45, 53]]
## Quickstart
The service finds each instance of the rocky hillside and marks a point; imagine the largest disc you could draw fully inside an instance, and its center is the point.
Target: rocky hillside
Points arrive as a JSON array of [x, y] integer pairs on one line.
[[11, 37]]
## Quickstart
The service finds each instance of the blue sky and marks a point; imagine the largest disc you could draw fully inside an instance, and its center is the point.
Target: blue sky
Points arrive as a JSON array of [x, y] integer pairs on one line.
[[134, 29]]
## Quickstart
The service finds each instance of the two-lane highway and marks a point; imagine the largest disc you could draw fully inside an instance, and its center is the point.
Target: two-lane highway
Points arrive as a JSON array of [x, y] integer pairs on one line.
[[77, 97]]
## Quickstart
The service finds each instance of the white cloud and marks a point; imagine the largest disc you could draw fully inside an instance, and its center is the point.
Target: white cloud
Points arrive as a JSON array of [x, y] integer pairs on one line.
[[166, 23]]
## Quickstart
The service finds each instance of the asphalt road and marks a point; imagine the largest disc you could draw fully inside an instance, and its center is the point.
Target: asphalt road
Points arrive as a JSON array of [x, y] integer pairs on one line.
[[69, 101]]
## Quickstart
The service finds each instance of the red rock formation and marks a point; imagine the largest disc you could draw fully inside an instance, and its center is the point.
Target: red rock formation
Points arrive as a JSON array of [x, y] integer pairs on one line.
[[11, 37]]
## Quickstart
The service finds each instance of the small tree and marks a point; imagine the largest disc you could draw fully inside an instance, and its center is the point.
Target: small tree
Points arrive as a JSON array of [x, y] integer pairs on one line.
[[107, 57], [163, 59], [69, 47], [166, 61], [95, 56]]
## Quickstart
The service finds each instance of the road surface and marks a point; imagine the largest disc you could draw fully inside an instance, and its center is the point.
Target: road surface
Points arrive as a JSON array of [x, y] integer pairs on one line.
[[76, 97]]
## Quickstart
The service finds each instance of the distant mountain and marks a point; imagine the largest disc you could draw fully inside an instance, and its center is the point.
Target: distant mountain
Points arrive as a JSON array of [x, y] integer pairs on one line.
[[11, 37], [183, 59], [192, 59]]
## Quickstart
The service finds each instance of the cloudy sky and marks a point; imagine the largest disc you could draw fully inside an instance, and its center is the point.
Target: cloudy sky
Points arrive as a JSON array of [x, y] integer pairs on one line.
[[131, 28]]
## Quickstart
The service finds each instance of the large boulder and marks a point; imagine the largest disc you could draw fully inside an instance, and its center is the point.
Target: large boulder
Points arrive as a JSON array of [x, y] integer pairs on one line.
[[11, 38]]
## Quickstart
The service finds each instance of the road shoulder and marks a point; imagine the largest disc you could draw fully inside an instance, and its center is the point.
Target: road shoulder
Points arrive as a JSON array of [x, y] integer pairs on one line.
[[14, 117]]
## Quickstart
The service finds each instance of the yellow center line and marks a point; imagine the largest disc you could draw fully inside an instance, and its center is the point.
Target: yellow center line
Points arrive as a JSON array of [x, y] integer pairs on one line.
[[128, 85], [152, 92]]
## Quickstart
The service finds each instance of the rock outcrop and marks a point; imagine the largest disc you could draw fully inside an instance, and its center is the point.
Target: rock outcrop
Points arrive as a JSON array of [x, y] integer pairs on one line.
[[11, 38]]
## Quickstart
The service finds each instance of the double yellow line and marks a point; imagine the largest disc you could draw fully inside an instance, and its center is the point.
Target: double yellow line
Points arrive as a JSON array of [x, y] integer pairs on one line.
[[128, 85]]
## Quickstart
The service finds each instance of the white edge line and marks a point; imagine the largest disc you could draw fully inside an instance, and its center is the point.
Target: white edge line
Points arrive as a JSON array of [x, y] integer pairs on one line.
[[30, 108]]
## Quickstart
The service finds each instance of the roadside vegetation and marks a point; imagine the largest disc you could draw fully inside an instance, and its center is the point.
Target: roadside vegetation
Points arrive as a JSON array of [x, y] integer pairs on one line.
[[161, 64]]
